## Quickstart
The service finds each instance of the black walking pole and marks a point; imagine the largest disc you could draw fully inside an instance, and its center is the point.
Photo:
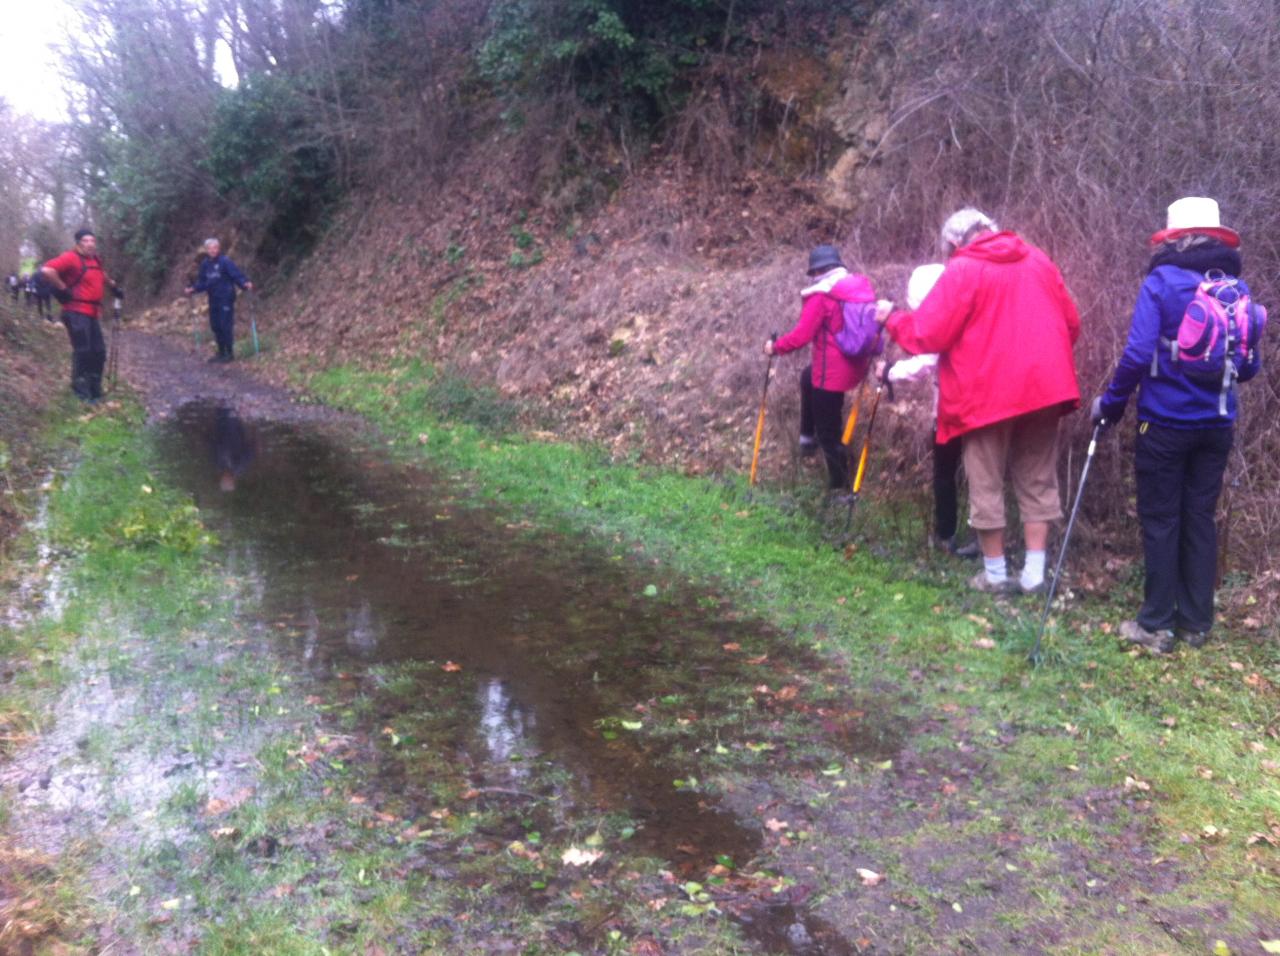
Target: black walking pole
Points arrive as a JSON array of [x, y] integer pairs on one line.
[[1066, 537]]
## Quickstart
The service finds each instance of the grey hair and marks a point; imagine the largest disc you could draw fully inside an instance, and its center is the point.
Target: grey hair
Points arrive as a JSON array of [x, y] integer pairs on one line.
[[211, 241], [960, 227]]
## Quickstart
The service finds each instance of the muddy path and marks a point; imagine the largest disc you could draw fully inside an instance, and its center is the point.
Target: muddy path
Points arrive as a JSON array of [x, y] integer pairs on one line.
[[484, 699]]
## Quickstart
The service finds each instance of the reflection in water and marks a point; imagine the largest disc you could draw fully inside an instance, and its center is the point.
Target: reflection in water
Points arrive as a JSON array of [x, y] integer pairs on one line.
[[363, 630], [233, 448], [355, 560], [506, 726]]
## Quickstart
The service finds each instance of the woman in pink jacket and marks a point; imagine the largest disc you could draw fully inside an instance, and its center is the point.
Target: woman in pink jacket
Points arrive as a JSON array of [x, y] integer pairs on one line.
[[830, 373]]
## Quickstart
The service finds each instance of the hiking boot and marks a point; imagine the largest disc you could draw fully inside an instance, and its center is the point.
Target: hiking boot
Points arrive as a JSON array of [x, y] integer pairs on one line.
[[808, 446], [980, 582], [1196, 639], [840, 499], [1037, 588], [1158, 642], [969, 550]]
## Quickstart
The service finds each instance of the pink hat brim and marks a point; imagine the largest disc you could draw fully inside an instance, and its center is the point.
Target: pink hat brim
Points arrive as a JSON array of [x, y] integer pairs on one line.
[[1227, 236]]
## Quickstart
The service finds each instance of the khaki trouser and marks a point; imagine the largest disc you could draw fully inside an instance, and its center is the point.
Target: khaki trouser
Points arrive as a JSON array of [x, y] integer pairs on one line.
[[1025, 450]]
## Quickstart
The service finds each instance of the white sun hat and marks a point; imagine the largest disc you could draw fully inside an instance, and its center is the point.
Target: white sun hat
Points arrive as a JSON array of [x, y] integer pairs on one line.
[[1195, 215]]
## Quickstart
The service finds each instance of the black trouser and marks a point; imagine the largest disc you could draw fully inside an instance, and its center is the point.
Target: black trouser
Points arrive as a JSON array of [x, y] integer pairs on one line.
[[88, 354], [1179, 477], [946, 464], [222, 320], [821, 416]]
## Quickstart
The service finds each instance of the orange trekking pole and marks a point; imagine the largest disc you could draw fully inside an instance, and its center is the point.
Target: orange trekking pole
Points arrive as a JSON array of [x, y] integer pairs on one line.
[[852, 423], [866, 440], [755, 454]]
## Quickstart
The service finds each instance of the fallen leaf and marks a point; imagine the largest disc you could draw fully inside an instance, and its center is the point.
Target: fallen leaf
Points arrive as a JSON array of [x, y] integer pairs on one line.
[[984, 643], [758, 660], [870, 877], [172, 904], [1236, 666], [1133, 783], [575, 856], [732, 646], [774, 825], [1270, 945], [451, 667]]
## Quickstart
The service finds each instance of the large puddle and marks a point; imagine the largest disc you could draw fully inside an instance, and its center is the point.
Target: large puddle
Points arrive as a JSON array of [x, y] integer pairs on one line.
[[545, 651]]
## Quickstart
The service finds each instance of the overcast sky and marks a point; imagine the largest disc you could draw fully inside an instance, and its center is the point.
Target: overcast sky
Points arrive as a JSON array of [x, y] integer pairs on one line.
[[29, 80]]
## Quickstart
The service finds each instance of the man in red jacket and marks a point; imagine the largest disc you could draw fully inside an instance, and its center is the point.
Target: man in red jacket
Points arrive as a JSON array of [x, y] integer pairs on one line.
[[78, 283], [1004, 324]]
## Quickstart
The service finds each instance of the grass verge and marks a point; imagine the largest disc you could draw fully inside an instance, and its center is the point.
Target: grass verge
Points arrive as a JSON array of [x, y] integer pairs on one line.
[[1184, 749]]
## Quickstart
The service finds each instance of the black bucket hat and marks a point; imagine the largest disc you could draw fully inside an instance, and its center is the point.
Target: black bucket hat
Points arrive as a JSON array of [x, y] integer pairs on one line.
[[823, 258]]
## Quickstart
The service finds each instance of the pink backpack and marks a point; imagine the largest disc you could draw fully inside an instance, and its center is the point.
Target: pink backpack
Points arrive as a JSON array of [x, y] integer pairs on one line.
[[1217, 334]]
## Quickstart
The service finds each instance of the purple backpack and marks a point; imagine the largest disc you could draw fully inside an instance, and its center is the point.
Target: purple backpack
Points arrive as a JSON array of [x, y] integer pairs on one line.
[[859, 335], [1216, 336]]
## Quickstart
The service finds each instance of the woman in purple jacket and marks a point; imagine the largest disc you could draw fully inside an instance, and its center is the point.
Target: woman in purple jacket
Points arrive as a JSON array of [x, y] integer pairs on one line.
[[1185, 426]]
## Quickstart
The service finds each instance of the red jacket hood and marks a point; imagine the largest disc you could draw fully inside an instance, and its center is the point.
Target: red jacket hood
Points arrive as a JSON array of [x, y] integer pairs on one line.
[[996, 247]]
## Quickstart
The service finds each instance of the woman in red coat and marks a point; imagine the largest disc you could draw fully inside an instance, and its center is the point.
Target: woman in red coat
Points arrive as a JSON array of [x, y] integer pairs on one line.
[[830, 372], [1004, 324]]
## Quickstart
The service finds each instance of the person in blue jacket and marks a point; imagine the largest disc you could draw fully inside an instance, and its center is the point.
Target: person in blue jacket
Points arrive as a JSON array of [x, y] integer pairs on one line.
[[1185, 428], [219, 277]]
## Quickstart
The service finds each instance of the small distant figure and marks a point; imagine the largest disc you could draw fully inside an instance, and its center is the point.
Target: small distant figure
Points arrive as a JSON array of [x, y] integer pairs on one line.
[[29, 290], [13, 284], [78, 282], [219, 277], [44, 297]]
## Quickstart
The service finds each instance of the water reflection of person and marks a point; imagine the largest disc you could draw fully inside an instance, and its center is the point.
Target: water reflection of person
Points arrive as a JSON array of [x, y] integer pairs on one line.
[[233, 449]]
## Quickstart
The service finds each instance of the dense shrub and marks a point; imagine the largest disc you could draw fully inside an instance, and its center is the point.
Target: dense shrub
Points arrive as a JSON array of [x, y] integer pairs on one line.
[[1076, 122], [640, 62], [271, 163]]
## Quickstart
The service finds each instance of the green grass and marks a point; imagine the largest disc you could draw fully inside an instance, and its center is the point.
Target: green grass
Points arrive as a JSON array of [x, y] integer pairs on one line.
[[1198, 729], [151, 611]]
